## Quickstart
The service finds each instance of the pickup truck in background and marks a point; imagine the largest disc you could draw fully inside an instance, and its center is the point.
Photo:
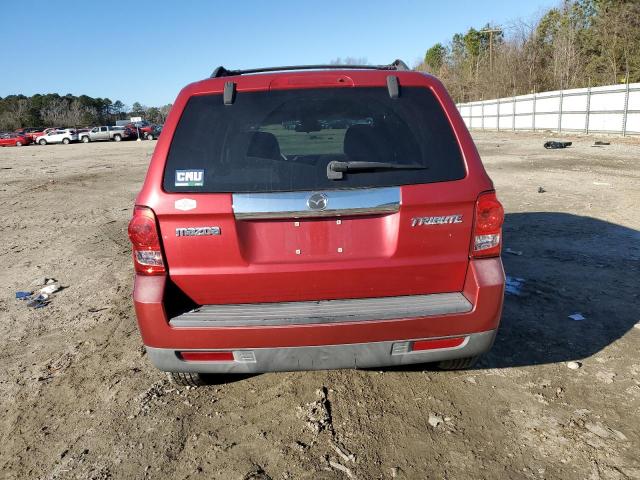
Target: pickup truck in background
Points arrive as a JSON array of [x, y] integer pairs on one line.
[[104, 133]]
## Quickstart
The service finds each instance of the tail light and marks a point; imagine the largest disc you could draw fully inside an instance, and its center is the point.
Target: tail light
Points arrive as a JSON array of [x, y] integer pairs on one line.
[[487, 227], [220, 356], [143, 233]]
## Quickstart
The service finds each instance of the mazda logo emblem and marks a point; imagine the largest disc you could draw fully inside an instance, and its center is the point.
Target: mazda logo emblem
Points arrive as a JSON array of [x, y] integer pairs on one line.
[[317, 201]]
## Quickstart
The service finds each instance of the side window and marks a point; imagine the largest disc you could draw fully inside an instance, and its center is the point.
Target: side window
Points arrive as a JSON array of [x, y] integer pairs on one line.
[[94, 129], [103, 129]]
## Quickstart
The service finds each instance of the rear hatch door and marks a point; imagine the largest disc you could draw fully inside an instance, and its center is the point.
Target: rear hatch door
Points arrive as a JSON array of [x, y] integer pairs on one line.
[[251, 213]]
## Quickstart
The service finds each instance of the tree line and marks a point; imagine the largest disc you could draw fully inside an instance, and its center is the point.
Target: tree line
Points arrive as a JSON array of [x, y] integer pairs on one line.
[[580, 43], [51, 109]]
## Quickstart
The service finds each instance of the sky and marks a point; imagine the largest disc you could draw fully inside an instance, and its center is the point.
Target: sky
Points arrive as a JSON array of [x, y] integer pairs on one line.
[[147, 51]]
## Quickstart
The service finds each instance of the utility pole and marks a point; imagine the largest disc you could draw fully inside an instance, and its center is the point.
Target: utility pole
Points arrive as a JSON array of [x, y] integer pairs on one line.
[[491, 31]]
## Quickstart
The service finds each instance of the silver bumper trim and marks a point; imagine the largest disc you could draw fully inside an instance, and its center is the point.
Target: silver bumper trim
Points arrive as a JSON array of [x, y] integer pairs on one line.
[[325, 311], [358, 355]]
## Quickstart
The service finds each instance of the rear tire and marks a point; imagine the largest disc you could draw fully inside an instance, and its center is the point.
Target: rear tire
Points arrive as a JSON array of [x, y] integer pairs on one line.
[[42, 141], [117, 138], [458, 363], [18, 144], [187, 379], [66, 141]]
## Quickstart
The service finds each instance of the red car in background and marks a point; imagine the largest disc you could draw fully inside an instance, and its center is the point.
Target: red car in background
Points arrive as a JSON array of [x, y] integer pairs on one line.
[[28, 132], [145, 128], [13, 140]]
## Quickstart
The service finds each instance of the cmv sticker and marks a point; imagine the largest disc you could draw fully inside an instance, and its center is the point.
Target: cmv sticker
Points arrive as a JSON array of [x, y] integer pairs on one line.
[[189, 178]]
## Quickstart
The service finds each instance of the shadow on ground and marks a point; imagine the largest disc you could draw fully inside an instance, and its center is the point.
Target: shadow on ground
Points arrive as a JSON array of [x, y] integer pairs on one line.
[[571, 264]]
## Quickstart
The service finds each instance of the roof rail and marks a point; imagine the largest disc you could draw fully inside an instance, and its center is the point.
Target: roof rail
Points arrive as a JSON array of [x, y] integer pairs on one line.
[[397, 65]]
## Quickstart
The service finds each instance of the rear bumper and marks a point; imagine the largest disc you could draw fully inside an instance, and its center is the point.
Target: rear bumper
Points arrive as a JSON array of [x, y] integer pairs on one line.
[[335, 344], [355, 355]]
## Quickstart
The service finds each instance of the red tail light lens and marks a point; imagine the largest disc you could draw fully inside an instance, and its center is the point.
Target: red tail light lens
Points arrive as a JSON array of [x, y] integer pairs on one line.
[[487, 229], [221, 356], [436, 344], [143, 233]]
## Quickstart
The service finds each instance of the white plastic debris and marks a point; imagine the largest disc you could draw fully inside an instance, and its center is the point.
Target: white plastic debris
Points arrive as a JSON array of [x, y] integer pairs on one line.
[[50, 288], [574, 365], [577, 317], [435, 420]]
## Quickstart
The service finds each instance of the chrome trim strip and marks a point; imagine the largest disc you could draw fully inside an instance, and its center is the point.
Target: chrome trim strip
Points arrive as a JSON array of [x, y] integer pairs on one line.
[[365, 201], [323, 312], [325, 357]]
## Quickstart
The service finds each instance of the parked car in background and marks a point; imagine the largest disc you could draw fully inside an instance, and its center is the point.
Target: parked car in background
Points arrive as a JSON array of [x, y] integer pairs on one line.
[[104, 133], [14, 139], [65, 136], [35, 136], [28, 132], [154, 133], [143, 127]]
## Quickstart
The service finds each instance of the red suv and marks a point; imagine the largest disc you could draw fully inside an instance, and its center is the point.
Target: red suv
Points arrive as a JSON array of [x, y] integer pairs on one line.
[[315, 217]]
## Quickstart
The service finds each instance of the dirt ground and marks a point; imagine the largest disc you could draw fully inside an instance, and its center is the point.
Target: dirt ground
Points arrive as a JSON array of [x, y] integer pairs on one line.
[[78, 398]]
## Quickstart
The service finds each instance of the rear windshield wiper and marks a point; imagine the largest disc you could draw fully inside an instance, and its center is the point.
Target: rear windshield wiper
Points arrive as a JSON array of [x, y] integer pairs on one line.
[[336, 169]]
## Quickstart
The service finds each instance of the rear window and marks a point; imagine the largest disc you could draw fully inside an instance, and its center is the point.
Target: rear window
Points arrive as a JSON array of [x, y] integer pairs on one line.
[[283, 141]]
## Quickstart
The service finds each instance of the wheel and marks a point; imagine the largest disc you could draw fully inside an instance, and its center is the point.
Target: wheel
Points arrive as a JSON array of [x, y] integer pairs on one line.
[[18, 144], [149, 136], [117, 138], [458, 363], [66, 141], [85, 139], [187, 379], [42, 141]]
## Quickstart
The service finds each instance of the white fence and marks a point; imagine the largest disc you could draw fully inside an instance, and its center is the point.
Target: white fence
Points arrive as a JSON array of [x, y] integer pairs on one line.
[[608, 109]]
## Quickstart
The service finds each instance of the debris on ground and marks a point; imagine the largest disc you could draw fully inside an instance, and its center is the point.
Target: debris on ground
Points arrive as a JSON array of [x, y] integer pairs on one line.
[[574, 365], [435, 420], [600, 143], [39, 301], [513, 252], [552, 145], [513, 285], [346, 456], [342, 468], [318, 413], [41, 297], [541, 190], [50, 288], [146, 398], [577, 317]]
